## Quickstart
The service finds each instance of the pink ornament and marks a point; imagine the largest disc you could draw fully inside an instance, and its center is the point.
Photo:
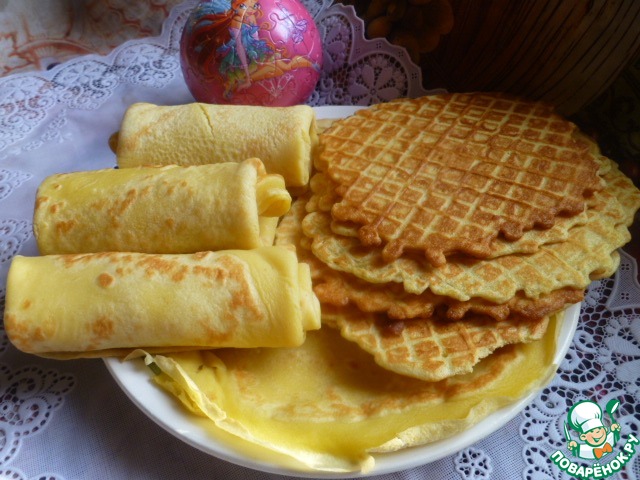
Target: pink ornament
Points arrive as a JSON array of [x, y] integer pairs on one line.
[[252, 53]]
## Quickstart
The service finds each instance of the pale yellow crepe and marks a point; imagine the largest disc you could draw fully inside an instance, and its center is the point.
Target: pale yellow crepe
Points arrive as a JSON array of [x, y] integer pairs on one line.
[[328, 405], [90, 305], [170, 209], [284, 138]]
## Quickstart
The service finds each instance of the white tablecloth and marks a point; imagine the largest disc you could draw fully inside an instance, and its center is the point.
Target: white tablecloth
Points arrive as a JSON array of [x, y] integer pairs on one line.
[[70, 420]]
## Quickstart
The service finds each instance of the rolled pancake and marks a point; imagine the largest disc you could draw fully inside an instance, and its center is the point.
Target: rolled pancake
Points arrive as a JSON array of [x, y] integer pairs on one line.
[[169, 209], [105, 304], [284, 138], [328, 405]]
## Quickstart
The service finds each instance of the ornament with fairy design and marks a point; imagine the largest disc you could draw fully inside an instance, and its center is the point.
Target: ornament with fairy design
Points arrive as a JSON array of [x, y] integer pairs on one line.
[[251, 52]]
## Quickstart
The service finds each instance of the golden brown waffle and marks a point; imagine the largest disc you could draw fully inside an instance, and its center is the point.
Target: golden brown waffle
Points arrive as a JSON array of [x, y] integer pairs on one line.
[[436, 321], [624, 190], [324, 197], [341, 289], [588, 253], [337, 288], [431, 349], [427, 349], [450, 173]]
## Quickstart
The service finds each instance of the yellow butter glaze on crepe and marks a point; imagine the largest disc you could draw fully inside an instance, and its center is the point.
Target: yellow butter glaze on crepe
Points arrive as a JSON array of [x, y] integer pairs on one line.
[[284, 138], [168, 209], [89, 305], [328, 405]]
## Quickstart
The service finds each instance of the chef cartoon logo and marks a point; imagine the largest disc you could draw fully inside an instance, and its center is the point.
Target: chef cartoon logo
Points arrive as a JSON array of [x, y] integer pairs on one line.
[[593, 437], [595, 440]]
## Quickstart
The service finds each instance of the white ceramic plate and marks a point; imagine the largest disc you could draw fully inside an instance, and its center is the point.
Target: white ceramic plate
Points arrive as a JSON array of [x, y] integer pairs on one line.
[[135, 380]]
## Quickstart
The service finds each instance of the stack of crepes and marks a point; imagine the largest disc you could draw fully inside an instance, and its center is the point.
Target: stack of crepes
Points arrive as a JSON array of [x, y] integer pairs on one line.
[[446, 235], [167, 256]]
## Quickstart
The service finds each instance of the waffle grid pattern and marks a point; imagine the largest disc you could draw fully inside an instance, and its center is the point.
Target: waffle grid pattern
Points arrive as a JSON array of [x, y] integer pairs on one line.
[[415, 174], [435, 318], [573, 263], [529, 242], [341, 288], [432, 350]]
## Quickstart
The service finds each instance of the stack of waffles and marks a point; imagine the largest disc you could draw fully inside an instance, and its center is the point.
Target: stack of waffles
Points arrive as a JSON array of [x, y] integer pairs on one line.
[[442, 228]]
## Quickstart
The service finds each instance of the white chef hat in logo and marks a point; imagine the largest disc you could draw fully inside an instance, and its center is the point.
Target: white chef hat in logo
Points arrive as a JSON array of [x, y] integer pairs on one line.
[[586, 415]]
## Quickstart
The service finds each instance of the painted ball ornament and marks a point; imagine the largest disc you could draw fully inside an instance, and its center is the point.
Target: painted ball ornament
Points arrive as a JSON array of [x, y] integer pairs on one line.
[[251, 52]]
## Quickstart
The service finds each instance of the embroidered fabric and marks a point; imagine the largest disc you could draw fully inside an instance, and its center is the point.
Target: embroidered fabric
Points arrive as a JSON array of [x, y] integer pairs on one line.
[[67, 420]]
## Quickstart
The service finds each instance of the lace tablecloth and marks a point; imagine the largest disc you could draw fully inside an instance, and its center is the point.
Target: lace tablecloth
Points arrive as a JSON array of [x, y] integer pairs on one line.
[[69, 420]]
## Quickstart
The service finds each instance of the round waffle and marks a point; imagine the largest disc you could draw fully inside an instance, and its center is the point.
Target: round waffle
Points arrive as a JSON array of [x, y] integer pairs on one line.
[[431, 308], [325, 196], [432, 349], [336, 288], [445, 174], [588, 253]]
